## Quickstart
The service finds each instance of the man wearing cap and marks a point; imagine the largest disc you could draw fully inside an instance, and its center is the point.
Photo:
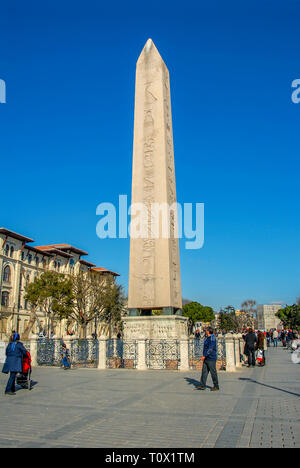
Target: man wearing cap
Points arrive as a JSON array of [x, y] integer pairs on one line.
[[209, 359]]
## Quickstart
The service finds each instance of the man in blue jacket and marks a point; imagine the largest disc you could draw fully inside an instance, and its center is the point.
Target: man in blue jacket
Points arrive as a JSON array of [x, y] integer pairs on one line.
[[15, 352], [209, 359]]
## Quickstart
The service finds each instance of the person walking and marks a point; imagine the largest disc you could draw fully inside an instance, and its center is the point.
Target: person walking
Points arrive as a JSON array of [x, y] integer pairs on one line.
[[268, 336], [209, 359], [250, 342], [261, 346], [283, 339], [15, 352], [275, 338], [65, 358]]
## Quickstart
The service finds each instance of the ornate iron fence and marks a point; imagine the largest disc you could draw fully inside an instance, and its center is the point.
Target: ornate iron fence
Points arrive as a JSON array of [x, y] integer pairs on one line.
[[221, 350], [162, 354], [83, 353], [121, 354], [196, 352], [46, 355]]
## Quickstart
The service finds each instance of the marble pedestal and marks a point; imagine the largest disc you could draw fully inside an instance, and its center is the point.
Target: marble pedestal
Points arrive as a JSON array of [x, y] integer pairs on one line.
[[162, 327]]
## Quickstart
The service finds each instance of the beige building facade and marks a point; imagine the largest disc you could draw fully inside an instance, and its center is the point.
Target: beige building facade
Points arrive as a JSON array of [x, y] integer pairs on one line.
[[20, 264], [266, 316]]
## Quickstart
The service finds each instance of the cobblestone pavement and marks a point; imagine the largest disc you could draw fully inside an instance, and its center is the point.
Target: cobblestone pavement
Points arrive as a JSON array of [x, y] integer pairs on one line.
[[127, 408]]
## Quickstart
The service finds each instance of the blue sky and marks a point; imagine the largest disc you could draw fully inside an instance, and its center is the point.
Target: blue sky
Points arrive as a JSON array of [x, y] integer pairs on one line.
[[66, 131]]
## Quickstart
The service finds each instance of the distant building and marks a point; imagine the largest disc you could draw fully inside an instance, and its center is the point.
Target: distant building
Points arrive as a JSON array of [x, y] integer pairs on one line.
[[20, 264], [266, 316]]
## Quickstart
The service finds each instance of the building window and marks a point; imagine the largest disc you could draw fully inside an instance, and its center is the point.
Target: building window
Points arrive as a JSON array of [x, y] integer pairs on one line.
[[5, 299], [36, 261], [12, 251], [6, 274], [58, 266], [22, 256], [72, 263], [7, 250], [29, 257]]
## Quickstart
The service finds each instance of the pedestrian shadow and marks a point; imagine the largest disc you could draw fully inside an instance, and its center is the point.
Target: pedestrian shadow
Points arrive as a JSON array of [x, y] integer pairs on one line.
[[194, 382], [24, 387], [269, 386]]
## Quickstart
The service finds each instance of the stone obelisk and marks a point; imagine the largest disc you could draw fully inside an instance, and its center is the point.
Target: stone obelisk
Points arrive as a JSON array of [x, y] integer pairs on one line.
[[154, 271]]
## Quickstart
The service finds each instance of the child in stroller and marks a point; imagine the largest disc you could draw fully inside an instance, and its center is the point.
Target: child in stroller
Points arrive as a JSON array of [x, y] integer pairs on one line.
[[24, 377]]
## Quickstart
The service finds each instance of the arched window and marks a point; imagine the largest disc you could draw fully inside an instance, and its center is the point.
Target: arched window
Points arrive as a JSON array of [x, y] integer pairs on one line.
[[29, 258], [12, 251], [6, 274], [72, 263], [5, 299], [7, 250]]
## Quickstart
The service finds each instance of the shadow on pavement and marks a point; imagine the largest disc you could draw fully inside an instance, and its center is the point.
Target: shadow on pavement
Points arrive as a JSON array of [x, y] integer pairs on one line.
[[269, 386], [194, 382]]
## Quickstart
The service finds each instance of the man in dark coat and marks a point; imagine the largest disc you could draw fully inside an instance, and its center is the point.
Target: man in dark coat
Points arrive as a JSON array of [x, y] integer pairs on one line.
[[250, 341], [209, 359], [15, 352]]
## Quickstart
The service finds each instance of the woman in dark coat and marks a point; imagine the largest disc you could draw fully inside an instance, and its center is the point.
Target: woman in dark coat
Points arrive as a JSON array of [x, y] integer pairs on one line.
[[15, 352], [250, 341]]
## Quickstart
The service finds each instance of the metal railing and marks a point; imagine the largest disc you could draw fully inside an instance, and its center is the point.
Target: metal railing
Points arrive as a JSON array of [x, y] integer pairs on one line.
[[162, 354], [196, 352], [82, 353], [121, 354]]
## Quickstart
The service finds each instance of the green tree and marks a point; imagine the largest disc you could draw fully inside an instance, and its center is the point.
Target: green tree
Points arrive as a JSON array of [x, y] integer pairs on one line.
[[98, 297], [227, 320], [115, 307], [290, 316], [51, 293], [196, 312]]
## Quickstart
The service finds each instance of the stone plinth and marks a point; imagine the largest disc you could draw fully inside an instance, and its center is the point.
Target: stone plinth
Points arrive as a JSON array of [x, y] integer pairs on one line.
[[163, 327]]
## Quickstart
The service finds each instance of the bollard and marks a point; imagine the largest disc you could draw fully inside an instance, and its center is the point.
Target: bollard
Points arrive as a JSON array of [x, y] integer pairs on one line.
[[141, 362], [237, 350], [230, 354], [184, 355], [102, 352], [34, 350]]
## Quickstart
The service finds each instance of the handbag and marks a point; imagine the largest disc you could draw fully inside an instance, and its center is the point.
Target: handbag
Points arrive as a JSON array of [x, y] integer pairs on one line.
[[5, 368]]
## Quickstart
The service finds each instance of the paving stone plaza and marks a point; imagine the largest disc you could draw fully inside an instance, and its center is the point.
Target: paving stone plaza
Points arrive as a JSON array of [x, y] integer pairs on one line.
[[122, 408]]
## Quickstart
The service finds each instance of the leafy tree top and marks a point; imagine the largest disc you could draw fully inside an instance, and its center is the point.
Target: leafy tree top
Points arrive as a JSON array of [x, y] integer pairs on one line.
[[196, 312]]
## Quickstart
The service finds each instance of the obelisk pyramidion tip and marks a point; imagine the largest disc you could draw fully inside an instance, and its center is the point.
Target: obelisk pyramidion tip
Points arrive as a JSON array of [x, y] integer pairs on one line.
[[148, 45]]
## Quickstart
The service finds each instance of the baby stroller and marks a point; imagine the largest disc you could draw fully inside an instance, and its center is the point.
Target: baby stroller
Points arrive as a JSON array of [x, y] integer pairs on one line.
[[24, 377]]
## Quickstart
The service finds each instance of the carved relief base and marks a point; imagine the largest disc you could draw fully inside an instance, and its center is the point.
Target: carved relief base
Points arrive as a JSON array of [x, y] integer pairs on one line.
[[163, 327]]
